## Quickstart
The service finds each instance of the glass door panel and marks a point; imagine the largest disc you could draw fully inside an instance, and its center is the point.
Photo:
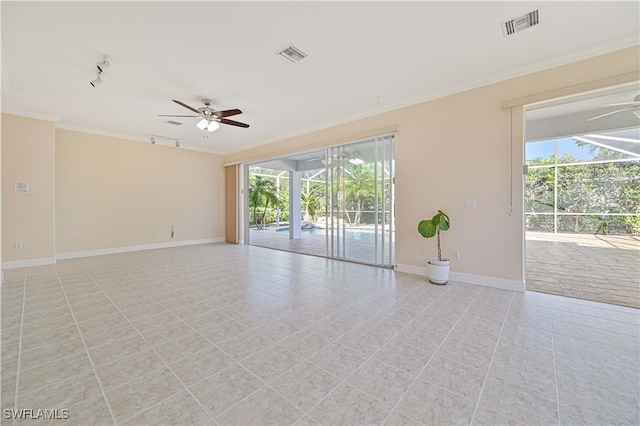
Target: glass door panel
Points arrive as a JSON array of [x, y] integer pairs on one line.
[[359, 188]]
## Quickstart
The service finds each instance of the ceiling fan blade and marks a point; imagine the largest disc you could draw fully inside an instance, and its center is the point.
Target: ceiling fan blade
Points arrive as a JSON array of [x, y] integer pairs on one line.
[[233, 123], [612, 112], [186, 106], [228, 113], [164, 115]]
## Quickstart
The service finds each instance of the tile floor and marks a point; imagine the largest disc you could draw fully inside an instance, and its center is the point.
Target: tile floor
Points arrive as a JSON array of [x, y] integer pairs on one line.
[[229, 334]]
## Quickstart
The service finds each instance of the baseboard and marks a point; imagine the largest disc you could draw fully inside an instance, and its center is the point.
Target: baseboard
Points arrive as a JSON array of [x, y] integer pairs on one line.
[[410, 269], [126, 249], [501, 283], [14, 264]]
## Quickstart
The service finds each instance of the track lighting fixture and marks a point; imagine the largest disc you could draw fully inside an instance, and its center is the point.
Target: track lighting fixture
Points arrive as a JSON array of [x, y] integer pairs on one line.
[[97, 82], [103, 65], [163, 140]]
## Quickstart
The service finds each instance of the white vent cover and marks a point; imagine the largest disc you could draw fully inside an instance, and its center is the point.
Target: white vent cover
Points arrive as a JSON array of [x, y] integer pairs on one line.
[[521, 22], [292, 54]]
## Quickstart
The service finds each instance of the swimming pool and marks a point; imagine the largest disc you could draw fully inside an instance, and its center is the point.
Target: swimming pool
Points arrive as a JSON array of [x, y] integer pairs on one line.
[[361, 234]]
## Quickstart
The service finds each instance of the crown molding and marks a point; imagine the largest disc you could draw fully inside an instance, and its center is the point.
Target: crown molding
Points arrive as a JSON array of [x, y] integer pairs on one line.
[[159, 140], [35, 116]]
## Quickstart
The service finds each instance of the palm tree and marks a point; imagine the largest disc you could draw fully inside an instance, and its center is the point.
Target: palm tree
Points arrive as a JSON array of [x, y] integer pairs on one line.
[[262, 191], [311, 202], [360, 186]]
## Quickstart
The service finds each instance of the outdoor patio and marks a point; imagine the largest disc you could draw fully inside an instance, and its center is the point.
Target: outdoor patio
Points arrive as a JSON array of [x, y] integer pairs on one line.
[[313, 244], [267, 237], [602, 268]]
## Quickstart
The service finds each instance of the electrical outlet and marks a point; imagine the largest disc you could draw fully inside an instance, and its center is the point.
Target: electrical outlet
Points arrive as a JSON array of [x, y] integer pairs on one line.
[[18, 246], [423, 250], [456, 254]]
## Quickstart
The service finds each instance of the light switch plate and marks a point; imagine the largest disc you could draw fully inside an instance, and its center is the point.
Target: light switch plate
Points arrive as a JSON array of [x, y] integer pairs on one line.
[[22, 187]]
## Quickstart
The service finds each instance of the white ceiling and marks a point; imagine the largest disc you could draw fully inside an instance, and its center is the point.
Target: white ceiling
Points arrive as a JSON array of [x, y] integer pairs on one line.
[[364, 58]]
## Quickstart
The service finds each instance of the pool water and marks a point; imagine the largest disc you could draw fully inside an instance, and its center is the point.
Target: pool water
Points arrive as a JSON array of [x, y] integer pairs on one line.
[[353, 233]]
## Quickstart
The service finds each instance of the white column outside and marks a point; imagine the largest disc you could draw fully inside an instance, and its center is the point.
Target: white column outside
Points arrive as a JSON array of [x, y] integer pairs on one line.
[[295, 205]]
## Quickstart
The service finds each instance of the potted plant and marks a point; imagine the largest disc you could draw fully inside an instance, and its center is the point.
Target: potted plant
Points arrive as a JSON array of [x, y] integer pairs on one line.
[[438, 268]]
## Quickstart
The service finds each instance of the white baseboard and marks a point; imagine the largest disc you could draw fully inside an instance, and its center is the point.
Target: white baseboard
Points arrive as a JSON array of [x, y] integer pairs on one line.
[[28, 263], [410, 269], [126, 249], [501, 283]]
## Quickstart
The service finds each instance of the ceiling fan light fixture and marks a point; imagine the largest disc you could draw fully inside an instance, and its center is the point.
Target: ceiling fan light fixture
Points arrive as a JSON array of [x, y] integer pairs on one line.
[[202, 124], [210, 119]]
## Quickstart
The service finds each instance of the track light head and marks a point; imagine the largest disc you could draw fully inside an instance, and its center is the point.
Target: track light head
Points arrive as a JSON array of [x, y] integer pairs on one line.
[[103, 65], [153, 140], [97, 82]]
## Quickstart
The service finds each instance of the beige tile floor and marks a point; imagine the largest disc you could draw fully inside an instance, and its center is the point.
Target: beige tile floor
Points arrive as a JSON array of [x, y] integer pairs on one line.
[[229, 334], [602, 268]]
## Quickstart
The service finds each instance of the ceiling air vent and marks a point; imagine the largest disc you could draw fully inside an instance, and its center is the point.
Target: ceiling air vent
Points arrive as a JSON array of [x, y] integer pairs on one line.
[[521, 23], [174, 123], [292, 54]]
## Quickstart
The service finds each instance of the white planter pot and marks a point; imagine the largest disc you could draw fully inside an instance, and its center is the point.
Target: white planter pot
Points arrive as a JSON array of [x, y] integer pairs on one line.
[[438, 271]]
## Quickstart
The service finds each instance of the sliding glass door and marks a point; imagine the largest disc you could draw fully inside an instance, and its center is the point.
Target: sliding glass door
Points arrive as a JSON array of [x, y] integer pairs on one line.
[[360, 194]]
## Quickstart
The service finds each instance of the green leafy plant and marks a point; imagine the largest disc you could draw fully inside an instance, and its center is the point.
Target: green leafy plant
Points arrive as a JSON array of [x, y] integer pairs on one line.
[[432, 227], [262, 192]]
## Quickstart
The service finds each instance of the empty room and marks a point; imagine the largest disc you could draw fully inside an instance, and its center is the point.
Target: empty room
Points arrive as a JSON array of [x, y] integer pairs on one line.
[[320, 213]]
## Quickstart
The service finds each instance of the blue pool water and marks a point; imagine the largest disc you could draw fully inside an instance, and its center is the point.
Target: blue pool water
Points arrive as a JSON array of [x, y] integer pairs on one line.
[[356, 234]]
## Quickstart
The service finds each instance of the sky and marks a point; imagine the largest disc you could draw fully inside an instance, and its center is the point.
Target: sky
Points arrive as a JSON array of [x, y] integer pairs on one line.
[[546, 148]]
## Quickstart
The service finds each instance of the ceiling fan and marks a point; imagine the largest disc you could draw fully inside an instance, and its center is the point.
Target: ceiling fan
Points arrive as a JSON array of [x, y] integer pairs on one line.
[[353, 158], [630, 106], [209, 116]]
